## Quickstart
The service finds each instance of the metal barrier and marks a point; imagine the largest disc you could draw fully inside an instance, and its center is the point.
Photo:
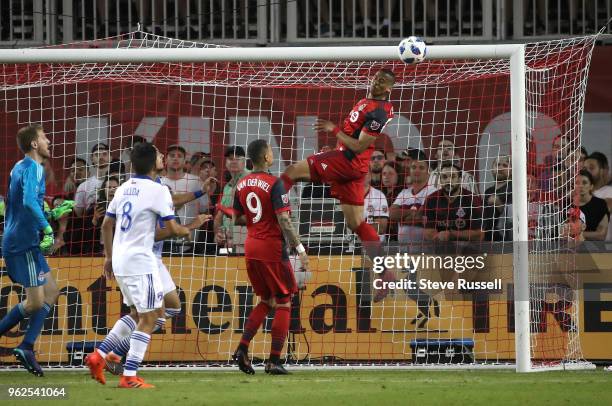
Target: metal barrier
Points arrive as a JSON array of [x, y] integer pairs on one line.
[[39, 22]]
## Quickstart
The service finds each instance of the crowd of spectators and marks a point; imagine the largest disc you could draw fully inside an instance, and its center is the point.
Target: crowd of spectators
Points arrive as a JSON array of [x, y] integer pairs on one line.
[[409, 196]]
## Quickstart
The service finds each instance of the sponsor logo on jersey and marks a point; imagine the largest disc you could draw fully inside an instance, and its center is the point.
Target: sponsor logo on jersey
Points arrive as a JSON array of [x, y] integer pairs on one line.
[[324, 166], [285, 198], [374, 125], [460, 224]]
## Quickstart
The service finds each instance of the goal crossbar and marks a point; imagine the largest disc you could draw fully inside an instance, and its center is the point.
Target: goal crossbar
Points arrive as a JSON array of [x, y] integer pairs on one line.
[[272, 54]]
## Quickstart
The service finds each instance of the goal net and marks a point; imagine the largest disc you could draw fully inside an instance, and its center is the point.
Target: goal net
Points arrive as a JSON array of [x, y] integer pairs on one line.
[[456, 111]]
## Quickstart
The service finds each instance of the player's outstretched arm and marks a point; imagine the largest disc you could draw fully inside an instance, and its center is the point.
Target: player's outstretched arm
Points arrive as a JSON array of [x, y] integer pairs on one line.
[[180, 199], [292, 237], [163, 233], [176, 230]]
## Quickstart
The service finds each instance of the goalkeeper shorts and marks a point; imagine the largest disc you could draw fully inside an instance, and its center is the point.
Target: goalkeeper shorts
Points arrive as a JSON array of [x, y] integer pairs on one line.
[[27, 269]]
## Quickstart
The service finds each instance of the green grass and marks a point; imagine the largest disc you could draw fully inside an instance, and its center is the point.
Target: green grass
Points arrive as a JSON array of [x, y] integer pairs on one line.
[[318, 388]]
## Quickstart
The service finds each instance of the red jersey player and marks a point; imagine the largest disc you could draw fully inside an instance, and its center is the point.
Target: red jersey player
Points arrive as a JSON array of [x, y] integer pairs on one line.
[[262, 204], [344, 169]]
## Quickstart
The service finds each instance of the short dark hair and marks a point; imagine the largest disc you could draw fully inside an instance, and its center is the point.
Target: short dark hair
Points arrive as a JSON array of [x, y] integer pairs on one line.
[[601, 159], [587, 174], [584, 151], [389, 73], [450, 164], [26, 135], [77, 159], [98, 146], [102, 198], [416, 154], [234, 150], [256, 151], [116, 166], [143, 157], [135, 139]]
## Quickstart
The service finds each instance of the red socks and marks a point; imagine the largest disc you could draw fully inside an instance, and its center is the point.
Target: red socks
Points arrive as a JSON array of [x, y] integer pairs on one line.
[[257, 316], [287, 182], [280, 328], [366, 232]]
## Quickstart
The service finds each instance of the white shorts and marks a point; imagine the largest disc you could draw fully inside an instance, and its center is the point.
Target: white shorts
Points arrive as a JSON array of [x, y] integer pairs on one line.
[[166, 279], [142, 291]]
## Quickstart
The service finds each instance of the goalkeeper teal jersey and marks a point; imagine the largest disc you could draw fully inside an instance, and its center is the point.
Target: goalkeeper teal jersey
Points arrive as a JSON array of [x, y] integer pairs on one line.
[[25, 217]]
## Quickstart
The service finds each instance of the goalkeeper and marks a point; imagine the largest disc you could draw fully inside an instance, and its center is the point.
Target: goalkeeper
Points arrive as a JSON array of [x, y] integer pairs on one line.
[[22, 246]]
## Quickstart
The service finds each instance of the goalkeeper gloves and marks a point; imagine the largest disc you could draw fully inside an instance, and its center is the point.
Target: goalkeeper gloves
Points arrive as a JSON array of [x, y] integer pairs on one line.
[[46, 245], [63, 209]]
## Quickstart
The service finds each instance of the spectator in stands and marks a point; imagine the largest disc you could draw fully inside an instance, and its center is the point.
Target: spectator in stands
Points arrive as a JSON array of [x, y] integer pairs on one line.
[[85, 196], [76, 175], [407, 207], [446, 154], [496, 223], [595, 209], [391, 183], [556, 160], [203, 167], [105, 195], [376, 209], [452, 213], [180, 182], [235, 163], [377, 161], [117, 168], [403, 160], [597, 165]]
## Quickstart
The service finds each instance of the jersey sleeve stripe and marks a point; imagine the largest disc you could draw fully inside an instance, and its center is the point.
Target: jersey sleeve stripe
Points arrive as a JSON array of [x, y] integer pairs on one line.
[[111, 215], [282, 209], [170, 217]]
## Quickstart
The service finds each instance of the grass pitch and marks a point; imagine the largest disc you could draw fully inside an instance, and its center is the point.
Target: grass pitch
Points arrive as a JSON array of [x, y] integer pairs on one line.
[[329, 388]]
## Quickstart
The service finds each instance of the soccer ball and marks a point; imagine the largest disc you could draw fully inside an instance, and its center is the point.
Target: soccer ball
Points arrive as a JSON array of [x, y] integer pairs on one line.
[[412, 50]]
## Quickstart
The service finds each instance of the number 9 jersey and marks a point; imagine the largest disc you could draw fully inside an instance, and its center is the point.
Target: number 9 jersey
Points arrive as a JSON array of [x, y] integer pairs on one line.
[[260, 196], [136, 207]]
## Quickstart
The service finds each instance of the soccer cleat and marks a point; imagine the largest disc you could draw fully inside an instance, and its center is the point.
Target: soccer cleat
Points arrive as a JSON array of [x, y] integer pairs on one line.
[[275, 369], [133, 382], [28, 360], [244, 363], [96, 363], [113, 364]]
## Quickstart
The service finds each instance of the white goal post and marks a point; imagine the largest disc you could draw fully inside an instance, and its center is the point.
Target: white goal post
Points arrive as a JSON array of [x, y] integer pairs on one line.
[[514, 53]]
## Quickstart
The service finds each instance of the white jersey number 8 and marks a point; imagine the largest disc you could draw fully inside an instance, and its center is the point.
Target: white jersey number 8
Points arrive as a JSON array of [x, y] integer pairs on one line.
[[255, 209]]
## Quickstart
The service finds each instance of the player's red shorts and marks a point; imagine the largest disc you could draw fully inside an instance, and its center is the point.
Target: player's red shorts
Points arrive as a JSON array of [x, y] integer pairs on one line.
[[271, 279], [335, 169]]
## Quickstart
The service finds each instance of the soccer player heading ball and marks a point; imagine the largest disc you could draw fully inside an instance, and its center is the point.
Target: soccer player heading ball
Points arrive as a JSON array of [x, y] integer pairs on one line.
[[262, 204], [344, 168]]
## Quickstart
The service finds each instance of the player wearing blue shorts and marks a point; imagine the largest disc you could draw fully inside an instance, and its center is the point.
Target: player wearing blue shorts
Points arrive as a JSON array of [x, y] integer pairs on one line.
[[22, 246]]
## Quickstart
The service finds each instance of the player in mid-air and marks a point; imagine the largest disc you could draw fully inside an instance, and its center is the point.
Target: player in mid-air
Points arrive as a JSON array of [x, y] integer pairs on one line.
[[22, 246], [344, 168], [133, 215], [262, 204], [117, 343]]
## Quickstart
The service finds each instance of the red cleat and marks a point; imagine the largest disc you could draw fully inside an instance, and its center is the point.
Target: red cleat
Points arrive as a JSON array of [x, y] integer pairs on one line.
[[133, 382], [112, 363], [96, 363]]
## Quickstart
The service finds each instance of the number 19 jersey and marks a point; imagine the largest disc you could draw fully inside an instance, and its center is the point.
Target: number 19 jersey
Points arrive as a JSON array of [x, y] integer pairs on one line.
[[260, 196], [137, 205]]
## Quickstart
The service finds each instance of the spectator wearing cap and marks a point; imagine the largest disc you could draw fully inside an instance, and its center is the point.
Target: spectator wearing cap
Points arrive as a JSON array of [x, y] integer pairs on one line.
[[377, 161], [235, 163], [77, 174], [180, 182], [86, 194], [446, 154], [203, 167]]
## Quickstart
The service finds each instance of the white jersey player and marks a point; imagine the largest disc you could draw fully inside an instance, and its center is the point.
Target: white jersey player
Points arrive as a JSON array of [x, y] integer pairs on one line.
[[132, 215]]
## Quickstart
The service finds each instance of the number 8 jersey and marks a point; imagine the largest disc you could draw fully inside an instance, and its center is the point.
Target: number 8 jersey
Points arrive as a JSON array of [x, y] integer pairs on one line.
[[136, 207], [260, 197]]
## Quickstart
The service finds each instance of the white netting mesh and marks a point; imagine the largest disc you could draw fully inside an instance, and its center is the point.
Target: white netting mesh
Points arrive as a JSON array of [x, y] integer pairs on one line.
[[206, 107]]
